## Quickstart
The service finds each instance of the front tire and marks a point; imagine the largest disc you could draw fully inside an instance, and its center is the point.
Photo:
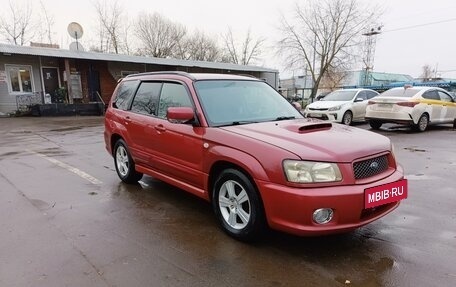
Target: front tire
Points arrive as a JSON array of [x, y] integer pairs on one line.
[[237, 205], [422, 124], [124, 164], [347, 118]]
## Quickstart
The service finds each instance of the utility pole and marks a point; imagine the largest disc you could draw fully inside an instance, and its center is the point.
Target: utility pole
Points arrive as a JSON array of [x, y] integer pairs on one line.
[[371, 39]]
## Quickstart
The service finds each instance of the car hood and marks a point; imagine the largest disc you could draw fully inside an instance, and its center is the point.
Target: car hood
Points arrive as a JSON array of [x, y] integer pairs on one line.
[[326, 104], [316, 140]]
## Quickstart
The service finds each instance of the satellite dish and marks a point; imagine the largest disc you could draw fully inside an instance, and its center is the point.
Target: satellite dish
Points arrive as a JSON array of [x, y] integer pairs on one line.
[[76, 46], [75, 30]]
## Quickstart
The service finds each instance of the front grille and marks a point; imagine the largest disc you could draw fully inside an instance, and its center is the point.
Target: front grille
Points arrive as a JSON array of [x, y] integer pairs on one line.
[[370, 167], [318, 109]]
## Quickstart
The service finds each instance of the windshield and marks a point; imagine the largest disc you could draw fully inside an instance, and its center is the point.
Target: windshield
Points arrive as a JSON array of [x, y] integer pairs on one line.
[[340, 95], [231, 102], [401, 92]]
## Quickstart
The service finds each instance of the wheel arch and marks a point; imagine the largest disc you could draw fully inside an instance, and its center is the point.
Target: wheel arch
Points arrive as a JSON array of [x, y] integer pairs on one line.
[[344, 113], [114, 139], [420, 115], [222, 165]]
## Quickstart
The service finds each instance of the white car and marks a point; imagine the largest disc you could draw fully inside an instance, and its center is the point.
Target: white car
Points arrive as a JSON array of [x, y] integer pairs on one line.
[[343, 106], [415, 106]]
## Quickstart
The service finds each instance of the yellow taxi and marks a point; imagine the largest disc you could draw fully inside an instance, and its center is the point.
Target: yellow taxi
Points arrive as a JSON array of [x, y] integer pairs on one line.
[[418, 107]]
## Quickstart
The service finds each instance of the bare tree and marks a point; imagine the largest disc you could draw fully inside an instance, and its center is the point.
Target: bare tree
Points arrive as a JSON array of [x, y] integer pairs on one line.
[[333, 78], [199, 47], [110, 17], [126, 45], [427, 73], [47, 24], [323, 35], [160, 37], [16, 24], [244, 54]]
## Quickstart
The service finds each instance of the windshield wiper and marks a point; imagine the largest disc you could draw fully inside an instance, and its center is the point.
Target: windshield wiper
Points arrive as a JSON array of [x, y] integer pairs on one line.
[[237, 123], [283, 118]]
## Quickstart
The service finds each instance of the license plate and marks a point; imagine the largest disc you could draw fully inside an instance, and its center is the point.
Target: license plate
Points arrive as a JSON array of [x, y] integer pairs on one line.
[[314, 115], [384, 106], [386, 193]]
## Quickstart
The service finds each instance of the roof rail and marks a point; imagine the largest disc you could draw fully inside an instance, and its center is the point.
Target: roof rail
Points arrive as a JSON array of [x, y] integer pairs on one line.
[[185, 74]]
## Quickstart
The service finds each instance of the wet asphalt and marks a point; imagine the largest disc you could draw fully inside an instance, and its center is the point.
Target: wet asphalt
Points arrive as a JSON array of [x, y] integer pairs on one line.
[[67, 220]]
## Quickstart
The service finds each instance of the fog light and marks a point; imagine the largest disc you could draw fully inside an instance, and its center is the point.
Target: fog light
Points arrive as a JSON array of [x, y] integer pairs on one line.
[[323, 215]]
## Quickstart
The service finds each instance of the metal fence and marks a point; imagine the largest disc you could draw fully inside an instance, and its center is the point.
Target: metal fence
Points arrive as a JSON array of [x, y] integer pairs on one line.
[[26, 101]]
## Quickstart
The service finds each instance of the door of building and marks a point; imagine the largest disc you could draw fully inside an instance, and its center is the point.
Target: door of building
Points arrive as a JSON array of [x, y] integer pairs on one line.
[[51, 82], [94, 85]]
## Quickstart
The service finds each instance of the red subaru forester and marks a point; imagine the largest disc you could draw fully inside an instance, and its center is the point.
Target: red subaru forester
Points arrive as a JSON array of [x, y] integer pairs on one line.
[[236, 142]]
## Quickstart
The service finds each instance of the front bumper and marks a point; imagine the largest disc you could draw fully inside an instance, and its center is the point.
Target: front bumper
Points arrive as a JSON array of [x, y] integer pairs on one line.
[[290, 209], [332, 116]]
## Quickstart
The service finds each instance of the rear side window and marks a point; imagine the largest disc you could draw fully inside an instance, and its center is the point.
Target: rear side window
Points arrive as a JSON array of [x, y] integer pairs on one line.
[[173, 95], [124, 94], [431, 95], [146, 98]]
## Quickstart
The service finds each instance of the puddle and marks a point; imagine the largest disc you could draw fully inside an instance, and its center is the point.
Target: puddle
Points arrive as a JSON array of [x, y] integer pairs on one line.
[[41, 205], [419, 176], [9, 153], [414, 149], [66, 129]]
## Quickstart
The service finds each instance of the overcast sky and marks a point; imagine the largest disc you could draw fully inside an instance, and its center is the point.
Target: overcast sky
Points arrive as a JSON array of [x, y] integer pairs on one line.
[[399, 49]]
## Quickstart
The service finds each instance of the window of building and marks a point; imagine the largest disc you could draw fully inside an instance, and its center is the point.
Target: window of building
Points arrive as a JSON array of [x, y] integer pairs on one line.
[[20, 78]]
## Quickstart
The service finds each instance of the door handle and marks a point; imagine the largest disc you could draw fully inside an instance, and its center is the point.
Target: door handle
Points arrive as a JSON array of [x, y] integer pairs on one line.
[[127, 120], [160, 128]]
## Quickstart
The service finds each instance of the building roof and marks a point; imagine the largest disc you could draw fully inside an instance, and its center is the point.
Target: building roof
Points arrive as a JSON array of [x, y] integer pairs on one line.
[[61, 53], [390, 77]]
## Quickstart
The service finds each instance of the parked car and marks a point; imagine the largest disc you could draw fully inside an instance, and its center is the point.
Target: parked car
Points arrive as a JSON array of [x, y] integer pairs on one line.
[[414, 106], [236, 142], [343, 106]]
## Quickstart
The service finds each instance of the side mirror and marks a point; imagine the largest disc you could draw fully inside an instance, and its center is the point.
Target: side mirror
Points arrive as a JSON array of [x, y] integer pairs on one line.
[[180, 115], [357, 100]]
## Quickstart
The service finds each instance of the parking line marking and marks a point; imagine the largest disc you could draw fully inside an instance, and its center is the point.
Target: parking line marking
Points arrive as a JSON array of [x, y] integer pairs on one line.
[[70, 168]]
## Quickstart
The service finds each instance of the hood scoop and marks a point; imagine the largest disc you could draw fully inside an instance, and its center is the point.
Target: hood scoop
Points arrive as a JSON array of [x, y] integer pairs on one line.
[[309, 127]]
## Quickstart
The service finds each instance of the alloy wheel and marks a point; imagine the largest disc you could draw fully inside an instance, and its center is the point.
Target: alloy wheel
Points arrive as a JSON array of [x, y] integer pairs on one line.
[[234, 204]]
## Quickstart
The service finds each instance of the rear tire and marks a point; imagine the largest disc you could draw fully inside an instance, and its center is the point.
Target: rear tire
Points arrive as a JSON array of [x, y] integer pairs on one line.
[[347, 118], [124, 164], [375, 124], [422, 124], [237, 205]]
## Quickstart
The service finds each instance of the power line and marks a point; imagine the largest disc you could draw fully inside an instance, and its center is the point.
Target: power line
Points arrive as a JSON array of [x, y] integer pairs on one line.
[[420, 25]]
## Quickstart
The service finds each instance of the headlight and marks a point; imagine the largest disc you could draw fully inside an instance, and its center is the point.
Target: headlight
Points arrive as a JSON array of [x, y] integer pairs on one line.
[[336, 108], [310, 171]]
